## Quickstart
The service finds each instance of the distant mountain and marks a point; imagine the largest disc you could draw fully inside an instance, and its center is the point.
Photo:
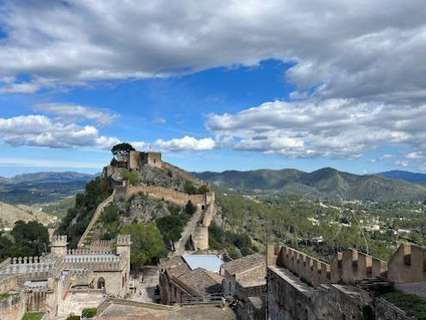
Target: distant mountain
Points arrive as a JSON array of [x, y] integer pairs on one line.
[[326, 183], [408, 176], [41, 187]]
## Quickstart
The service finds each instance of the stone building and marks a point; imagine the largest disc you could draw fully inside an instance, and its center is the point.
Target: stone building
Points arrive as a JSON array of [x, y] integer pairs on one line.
[[180, 284], [64, 281], [300, 287], [245, 282]]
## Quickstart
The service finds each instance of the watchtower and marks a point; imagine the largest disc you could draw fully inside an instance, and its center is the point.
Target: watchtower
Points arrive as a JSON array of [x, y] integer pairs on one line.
[[58, 245]]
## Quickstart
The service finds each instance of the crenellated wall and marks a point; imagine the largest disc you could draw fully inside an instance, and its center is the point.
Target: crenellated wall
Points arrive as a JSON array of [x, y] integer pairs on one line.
[[352, 266], [179, 198], [310, 269], [348, 267], [408, 264]]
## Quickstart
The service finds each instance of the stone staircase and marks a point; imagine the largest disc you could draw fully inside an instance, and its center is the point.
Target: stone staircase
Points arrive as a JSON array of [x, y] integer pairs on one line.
[[86, 237]]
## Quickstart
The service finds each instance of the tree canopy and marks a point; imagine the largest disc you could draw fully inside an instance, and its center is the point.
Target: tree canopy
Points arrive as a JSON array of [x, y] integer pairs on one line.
[[121, 150]]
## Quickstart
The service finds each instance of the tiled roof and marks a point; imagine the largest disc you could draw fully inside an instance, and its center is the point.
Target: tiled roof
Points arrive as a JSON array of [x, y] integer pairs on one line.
[[201, 282], [175, 266], [244, 264]]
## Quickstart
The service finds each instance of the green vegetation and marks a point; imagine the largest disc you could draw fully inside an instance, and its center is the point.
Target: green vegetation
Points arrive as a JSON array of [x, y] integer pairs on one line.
[[171, 227], [77, 219], [25, 240], [236, 244], [39, 188], [190, 208], [59, 208], [326, 183], [147, 244], [121, 151], [89, 312], [131, 177], [412, 304], [4, 296], [189, 188], [73, 317], [33, 316]]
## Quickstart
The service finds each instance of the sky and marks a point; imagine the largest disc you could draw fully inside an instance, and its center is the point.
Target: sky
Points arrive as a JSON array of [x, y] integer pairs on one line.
[[213, 85]]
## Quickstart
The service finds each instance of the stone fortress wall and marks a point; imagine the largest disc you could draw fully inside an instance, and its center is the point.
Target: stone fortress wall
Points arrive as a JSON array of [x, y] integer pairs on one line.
[[303, 287]]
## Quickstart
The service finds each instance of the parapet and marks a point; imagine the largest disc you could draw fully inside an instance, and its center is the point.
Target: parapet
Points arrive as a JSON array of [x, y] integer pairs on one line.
[[124, 240], [312, 270], [59, 241], [408, 264], [353, 266]]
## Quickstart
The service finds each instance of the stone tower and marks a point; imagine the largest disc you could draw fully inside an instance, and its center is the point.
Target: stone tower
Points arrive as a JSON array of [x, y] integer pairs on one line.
[[58, 245], [123, 246]]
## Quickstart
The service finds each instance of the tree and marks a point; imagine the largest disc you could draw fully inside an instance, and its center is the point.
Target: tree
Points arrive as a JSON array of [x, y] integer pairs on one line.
[[171, 227], [31, 239], [147, 244], [122, 150], [190, 208]]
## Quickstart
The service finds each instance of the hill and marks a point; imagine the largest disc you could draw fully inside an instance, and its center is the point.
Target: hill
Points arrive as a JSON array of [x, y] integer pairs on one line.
[[41, 187], [9, 214], [326, 183], [413, 177]]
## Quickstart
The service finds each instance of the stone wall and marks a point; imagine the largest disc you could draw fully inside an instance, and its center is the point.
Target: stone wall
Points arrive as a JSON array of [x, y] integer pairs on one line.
[[170, 195], [12, 307], [387, 311], [311, 270], [408, 264]]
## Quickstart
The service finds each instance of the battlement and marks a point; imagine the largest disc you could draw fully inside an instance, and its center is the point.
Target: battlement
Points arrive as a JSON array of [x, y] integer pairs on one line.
[[124, 240], [59, 241], [352, 266], [349, 267], [312, 270], [88, 251], [408, 264]]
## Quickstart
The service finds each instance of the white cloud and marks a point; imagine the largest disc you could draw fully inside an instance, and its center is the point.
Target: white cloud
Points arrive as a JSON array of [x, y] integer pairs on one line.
[[364, 49], [402, 163], [72, 112], [41, 131], [186, 144], [331, 127], [48, 163]]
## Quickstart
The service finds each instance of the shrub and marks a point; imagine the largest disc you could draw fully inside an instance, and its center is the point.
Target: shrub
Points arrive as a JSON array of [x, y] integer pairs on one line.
[[89, 313], [190, 208], [131, 177], [171, 227]]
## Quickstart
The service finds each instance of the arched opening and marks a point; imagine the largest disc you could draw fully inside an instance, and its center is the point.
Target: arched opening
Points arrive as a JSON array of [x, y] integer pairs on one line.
[[101, 283]]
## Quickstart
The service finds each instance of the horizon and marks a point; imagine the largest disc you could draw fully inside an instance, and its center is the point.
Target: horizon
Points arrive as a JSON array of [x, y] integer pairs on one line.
[[314, 86]]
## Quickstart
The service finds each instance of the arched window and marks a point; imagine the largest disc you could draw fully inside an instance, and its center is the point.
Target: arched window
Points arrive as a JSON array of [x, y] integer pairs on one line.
[[101, 283]]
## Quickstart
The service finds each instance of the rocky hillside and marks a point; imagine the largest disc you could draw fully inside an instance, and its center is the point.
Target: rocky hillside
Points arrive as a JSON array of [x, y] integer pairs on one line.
[[327, 183], [9, 214]]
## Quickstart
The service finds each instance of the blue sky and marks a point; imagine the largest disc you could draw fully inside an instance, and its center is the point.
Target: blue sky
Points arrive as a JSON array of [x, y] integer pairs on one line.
[[239, 87]]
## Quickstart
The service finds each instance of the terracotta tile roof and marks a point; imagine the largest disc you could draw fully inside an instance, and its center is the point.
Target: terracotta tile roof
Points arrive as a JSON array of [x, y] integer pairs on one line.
[[201, 282], [244, 264], [174, 266]]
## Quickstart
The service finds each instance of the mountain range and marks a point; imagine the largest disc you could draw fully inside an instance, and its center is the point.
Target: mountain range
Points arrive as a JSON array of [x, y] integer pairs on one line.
[[413, 177], [41, 187], [326, 183]]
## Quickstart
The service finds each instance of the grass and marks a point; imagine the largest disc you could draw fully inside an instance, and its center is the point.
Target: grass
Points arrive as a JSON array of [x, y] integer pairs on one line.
[[4, 296], [33, 316], [412, 304]]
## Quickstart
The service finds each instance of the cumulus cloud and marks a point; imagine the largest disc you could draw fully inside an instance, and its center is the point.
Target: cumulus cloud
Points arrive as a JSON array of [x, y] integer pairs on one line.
[[342, 49], [72, 112], [186, 144], [326, 127], [41, 131]]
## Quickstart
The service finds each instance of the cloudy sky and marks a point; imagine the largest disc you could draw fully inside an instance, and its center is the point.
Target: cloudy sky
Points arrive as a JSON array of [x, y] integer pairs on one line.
[[214, 85]]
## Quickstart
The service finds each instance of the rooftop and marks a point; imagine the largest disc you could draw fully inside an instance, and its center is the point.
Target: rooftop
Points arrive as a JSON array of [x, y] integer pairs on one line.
[[201, 282], [244, 264]]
